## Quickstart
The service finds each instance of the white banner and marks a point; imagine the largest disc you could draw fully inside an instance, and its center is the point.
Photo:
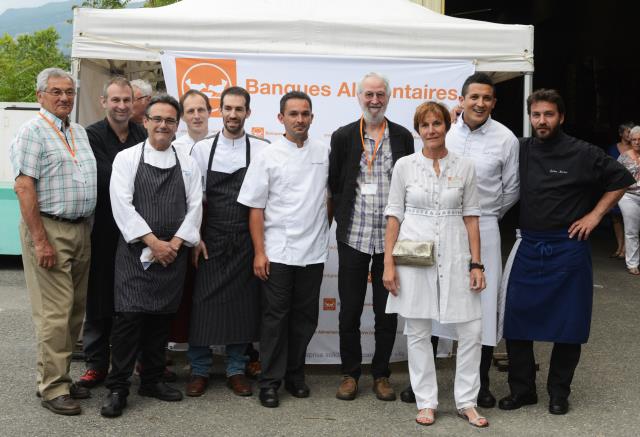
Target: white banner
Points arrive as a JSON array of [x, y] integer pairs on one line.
[[331, 84]]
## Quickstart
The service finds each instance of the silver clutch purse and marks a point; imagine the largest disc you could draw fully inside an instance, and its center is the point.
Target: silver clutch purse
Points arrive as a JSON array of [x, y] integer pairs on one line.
[[413, 253]]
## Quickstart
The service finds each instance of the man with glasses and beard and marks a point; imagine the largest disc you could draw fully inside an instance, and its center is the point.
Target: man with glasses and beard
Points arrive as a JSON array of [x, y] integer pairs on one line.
[[361, 163], [156, 198], [226, 296], [566, 186]]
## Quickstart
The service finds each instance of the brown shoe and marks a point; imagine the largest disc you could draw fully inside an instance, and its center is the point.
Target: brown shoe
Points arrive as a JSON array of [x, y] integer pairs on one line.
[[383, 389], [197, 385], [63, 405], [240, 385], [348, 389]]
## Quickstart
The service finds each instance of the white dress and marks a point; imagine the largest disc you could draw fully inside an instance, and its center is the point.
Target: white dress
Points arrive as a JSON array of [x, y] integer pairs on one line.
[[431, 207]]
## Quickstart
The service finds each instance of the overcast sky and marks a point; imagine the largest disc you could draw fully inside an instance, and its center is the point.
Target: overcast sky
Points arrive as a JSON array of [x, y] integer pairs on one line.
[[16, 4]]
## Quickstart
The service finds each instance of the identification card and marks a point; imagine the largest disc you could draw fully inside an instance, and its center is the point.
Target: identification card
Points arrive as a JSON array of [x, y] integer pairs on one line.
[[454, 182], [369, 189], [77, 175]]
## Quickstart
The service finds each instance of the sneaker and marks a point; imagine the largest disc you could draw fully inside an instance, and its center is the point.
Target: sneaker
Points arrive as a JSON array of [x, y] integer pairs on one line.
[[91, 378]]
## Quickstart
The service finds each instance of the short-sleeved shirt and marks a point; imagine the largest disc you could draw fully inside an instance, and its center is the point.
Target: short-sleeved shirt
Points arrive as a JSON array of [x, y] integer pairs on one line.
[[290, 184], [65, 186], [634, 168], [562, 179]]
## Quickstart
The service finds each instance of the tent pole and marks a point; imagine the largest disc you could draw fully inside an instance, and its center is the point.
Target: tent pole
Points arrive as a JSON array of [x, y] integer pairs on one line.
[[528, 88], [75, 72]]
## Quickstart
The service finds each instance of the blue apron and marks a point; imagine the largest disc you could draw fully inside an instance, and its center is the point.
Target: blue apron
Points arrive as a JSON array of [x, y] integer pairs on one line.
[[550, 291]]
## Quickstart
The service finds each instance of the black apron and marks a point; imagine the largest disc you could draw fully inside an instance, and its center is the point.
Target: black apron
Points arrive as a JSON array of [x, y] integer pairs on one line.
[[159, 196], [226, 300]]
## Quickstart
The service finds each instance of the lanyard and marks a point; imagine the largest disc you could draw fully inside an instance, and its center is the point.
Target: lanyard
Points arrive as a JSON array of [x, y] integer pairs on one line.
[[376, 146], [72, 151]]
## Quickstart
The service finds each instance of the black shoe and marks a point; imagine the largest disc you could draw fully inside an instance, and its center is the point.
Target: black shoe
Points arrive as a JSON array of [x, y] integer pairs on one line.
[[407, 395], [513, 402], [486, 398], [113, 405], [297, 389], [161, 391], [79, 392], [558, 405], [269, 397]]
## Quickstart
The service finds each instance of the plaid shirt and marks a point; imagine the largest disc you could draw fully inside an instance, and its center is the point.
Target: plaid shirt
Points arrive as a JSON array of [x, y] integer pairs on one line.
[[64, 188], [366, 233]]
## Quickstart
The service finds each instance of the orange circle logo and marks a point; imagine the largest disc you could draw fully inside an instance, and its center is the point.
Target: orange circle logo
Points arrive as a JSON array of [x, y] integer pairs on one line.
[[209, 76]]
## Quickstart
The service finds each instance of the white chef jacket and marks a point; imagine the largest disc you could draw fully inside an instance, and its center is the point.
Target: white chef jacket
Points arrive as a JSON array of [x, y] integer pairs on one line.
[[494, 150], [121, 188], [230, 155], [290, 183], [185, 142]]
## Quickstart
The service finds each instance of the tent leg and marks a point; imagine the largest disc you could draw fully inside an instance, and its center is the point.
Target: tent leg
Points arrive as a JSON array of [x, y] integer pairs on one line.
[[528, 88], [75, 72]]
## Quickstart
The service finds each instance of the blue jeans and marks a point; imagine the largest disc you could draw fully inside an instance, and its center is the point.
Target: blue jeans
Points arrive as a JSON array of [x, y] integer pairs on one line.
[[201, 359]]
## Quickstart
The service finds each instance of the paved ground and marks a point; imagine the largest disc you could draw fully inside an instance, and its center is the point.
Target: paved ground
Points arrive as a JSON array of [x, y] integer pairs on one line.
[[604, 402]]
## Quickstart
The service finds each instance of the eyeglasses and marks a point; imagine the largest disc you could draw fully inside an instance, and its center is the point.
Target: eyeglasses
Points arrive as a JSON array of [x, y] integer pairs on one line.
[[137, 99], [167, 121], [58, 92]]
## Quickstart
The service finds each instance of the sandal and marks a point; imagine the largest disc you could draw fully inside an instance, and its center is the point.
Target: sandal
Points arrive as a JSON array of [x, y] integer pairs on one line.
[[426, 417], [633, 271], [479, 421]]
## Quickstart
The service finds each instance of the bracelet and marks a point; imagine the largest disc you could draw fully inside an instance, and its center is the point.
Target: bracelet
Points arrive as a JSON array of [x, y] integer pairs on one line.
[[476, 266]]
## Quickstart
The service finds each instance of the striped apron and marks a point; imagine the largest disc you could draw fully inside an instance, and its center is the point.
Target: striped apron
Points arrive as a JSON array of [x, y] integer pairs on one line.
[[226, 299], [160, 198]]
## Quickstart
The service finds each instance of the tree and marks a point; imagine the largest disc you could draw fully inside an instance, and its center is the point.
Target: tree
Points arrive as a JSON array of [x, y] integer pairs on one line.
[[158, 3], [22, 58], [105, 4]]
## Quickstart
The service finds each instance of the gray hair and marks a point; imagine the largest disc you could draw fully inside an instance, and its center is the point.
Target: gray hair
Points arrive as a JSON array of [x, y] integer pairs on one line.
[[380, 76], [43, 77], [634, 130], [143, 86]]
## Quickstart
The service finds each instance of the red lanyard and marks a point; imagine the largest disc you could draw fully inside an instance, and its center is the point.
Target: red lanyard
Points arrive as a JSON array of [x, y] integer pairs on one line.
[[376, 146], [72, 151]]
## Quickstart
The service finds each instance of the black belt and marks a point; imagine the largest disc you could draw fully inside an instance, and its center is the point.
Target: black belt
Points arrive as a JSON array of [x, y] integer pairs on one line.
[[74, 221]]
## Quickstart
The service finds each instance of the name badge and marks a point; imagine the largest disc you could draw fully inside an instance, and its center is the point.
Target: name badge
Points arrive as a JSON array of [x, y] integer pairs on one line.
[[369, 189], [77, 175], [454, 182]]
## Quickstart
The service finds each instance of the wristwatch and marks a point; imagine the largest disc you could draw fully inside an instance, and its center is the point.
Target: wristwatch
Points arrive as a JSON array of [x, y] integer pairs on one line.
[[473, 265]]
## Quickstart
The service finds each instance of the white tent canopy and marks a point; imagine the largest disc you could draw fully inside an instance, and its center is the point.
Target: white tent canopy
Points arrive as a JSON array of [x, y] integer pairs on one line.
[[371, 28], [122, 38]]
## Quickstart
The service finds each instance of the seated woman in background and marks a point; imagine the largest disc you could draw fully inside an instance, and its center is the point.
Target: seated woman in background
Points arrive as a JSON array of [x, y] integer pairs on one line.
[[433, 197], [630, 204]]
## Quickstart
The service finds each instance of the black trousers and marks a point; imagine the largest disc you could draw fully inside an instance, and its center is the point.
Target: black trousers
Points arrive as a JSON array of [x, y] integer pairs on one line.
[[290, 307], [522, 367], [353, 276], [96, 344], [131, 333]]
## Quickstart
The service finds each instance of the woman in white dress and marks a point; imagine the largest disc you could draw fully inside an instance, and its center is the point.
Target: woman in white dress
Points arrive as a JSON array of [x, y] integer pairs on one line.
[[433, 197]]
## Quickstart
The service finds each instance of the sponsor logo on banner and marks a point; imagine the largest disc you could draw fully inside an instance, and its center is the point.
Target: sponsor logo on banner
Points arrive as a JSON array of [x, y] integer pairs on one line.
[[257, 132], [209, 76], [329, 304]]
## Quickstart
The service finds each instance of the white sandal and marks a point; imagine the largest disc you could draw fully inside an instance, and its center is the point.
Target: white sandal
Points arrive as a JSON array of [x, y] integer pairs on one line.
[[477, 422], [426, 417]]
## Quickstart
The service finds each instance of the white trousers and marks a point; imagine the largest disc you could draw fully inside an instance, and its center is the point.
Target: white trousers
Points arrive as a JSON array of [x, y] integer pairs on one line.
[[422, 369], [630, 207]]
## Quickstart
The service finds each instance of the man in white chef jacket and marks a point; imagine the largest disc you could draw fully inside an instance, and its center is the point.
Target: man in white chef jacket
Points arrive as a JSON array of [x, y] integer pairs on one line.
[[286, 189], [494, 149], [195, 109], [156, 198]]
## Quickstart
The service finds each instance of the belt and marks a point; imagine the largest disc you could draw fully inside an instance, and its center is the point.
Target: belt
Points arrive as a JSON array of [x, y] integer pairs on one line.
[[74, 221]]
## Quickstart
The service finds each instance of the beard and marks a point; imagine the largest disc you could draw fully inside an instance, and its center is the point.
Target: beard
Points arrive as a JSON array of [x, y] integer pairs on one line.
[[373, 119], [551, 133]]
